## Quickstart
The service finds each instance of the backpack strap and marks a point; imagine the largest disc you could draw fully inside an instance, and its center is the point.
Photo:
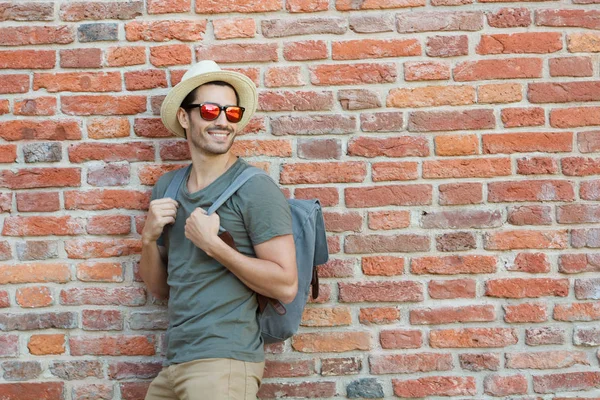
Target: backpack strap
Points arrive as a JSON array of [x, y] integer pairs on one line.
[[175, 184]]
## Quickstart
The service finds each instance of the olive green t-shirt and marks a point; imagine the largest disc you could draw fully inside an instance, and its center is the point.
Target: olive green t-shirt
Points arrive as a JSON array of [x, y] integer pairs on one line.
[[212, 314]]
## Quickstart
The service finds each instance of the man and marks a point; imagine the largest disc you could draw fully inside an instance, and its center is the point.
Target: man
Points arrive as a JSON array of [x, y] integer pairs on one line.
[[214, 349]]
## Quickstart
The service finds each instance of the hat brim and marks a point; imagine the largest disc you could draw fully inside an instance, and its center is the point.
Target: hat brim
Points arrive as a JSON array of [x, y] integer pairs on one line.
[[245, 88]]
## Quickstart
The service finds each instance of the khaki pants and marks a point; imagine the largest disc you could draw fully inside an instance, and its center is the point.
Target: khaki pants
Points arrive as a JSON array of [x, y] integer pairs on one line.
[[212, 378]]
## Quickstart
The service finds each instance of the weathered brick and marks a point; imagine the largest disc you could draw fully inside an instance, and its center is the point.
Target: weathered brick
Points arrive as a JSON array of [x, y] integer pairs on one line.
[[479, 362], [319, 149], [517, 117], [303, 26], [98, 32], [583, 42], [585, 237], [168, 6], [305, 50], [79, 11], [568, 18], [125, 56], [424, 121], [381, 122], [544, 335], [376, 196], [348, 5], [571, 66], [30, 129], [574, 117], [587, 289], [14, 83], [148, 320], [126, 296], [36, 35], [334, 342], [365, 388], [9, 345], [40, 106], [509, 18], [546, 359], [382, 265], [379, 315], [452, 289], [400, 339], [100, 272], [403, 146], [526, 239], [341, 222], [518, 288], [238, 52], [358, 99], [410, 363], [520, 313], [229, 6], [31, 321], [576, 263], [92, 391], [402, 291], [447, 46], [460, 193], [77, 369], [322, 173], [42, 226], [431, 96], [164, 30], [33, 390], [374, 48], [473, 337], [456, 145], [499, 93], [426, 71], [352, 74], [508, 68], [10, 11], [563, 92], [131, 370], [576, 312], [295, 101], [386, 220], [329, 316], [537, 166], [108, 128], [533, 263], [234, 28], [85, 249], [501, 385], [461, 219], [439, 21], [323, 389], [566, 381], [452, 265], [27, 59], [21, 370], [578, 213], [8, 153], [538, 190], [528, 42], [467, 168], [327, 196], [101, 320], [371, 23], [34, 296], [435, 386], [394, 171], [111, 152], [103, 105], [118, 345]]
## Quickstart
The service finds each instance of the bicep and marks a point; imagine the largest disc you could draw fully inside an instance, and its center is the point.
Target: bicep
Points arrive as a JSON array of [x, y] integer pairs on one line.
[[280, 250]]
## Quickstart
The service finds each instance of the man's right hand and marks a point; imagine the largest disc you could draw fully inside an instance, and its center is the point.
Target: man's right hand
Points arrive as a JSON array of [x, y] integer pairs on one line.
[[160, 213]]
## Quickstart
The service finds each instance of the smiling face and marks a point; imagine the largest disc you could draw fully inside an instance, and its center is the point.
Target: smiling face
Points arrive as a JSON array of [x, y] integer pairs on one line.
[[209, 137]]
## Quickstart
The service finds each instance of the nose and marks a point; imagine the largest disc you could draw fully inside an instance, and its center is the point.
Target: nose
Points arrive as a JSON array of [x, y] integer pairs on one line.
[[221, 119]]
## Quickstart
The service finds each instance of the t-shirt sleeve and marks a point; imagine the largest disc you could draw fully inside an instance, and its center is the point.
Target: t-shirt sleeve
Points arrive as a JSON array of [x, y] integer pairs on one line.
[[264, 208]]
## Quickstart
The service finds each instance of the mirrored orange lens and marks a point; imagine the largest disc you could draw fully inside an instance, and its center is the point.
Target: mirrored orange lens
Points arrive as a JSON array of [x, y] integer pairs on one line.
[[234, 114], [209, 112]]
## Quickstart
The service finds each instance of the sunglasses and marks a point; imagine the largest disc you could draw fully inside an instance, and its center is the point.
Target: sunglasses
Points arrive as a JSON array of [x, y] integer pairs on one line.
[[211, 111]]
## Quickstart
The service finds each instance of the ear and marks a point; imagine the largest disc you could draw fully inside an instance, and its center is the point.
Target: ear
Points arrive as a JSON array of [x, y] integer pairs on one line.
[[183, 118]]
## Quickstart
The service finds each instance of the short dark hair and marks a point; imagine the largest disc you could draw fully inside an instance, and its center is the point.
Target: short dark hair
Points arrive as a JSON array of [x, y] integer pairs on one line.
[[191, 97]]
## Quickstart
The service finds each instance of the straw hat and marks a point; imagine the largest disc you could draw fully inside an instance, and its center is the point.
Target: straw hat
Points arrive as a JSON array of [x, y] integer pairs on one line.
[[203, 72]]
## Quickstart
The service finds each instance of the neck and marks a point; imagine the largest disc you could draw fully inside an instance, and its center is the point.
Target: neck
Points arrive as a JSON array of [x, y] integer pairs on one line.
[[206, 169]]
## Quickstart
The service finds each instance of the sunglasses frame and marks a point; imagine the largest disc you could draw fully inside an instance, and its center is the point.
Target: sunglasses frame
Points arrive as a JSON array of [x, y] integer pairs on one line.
[[221, 109]]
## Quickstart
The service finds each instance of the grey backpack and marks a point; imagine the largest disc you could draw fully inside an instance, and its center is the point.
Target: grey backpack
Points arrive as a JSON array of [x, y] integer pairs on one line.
[[279, 322]]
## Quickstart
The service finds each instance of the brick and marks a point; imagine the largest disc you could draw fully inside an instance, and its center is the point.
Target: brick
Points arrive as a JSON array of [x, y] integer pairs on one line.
[[348, 5], [378, 315], [576, 312], [42, 226], [92, 391], [526, 239], [148, 320], [108, 128], [109, 225], [394, 171], [578, 214], [272, 28], [229, 6], [424, 121], [387, 220], [27, 59], [576, 263], [479, 362], [574, 117], [371, 23], [341, 222], [34, 273], [447, 46], [8, 153], [434, 386], [103, 105], [40, 130], [585, 238], [365, 388], [111, 152], [40, 178], [374, 48], [168, 6], [461, 219], [81, 58], [334, 342], [302, 6], [125, 56], [14, 83], [383, 265], [77, 11], [149, 175], [164, 30], [452, 289], [401, 291], [31, 321], [460, 193], [119, 370], [358, 99], [568, 18], [26, 12], [234, 28], [530, 215], [381, 122], [305, 50], [497, 385], [400, 339], [518, 288], [319, 149], [426, 71], [9, 346], [455, 241], [100, 271], [452, 265], [77, 370], [520, 313], [315, 173], [36, 250], [330, 316], [445, 315], [564, 92], [586, 337], [587, 289], [4, 300], [544, 335], [98, 32], [508, 68], [127, 296], [273, 148], [590, 190], [533, 263], [539, 190], [101, 320], [85, 249], [34, 296], [517, 117], [473, 337], [410, 363], [117, 345], [323, 389], [499, 93], [456, 145], [4, 107], [439, 21], [583, 42], [238, 52], [327, 196], [40, 106], [133, 390], [78, 82], [537, 166], [431, 96], [352, 74], [108, 174], [42, 152], [284, 76], [467, 168], [147, 79], [528, 42], [588, 142], [5, 202], [33, 390], [566, 381], [150, 127], [571, 66], [546, 359], [509, 18], [36, 35], [396, 195], [403, 146]]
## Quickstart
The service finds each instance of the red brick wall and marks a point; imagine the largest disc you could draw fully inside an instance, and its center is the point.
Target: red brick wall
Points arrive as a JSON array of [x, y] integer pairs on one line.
[[453, 144]]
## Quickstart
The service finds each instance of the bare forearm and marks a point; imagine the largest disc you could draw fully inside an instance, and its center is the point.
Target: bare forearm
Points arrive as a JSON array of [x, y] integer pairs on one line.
[[153, 270], [264, 277]]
